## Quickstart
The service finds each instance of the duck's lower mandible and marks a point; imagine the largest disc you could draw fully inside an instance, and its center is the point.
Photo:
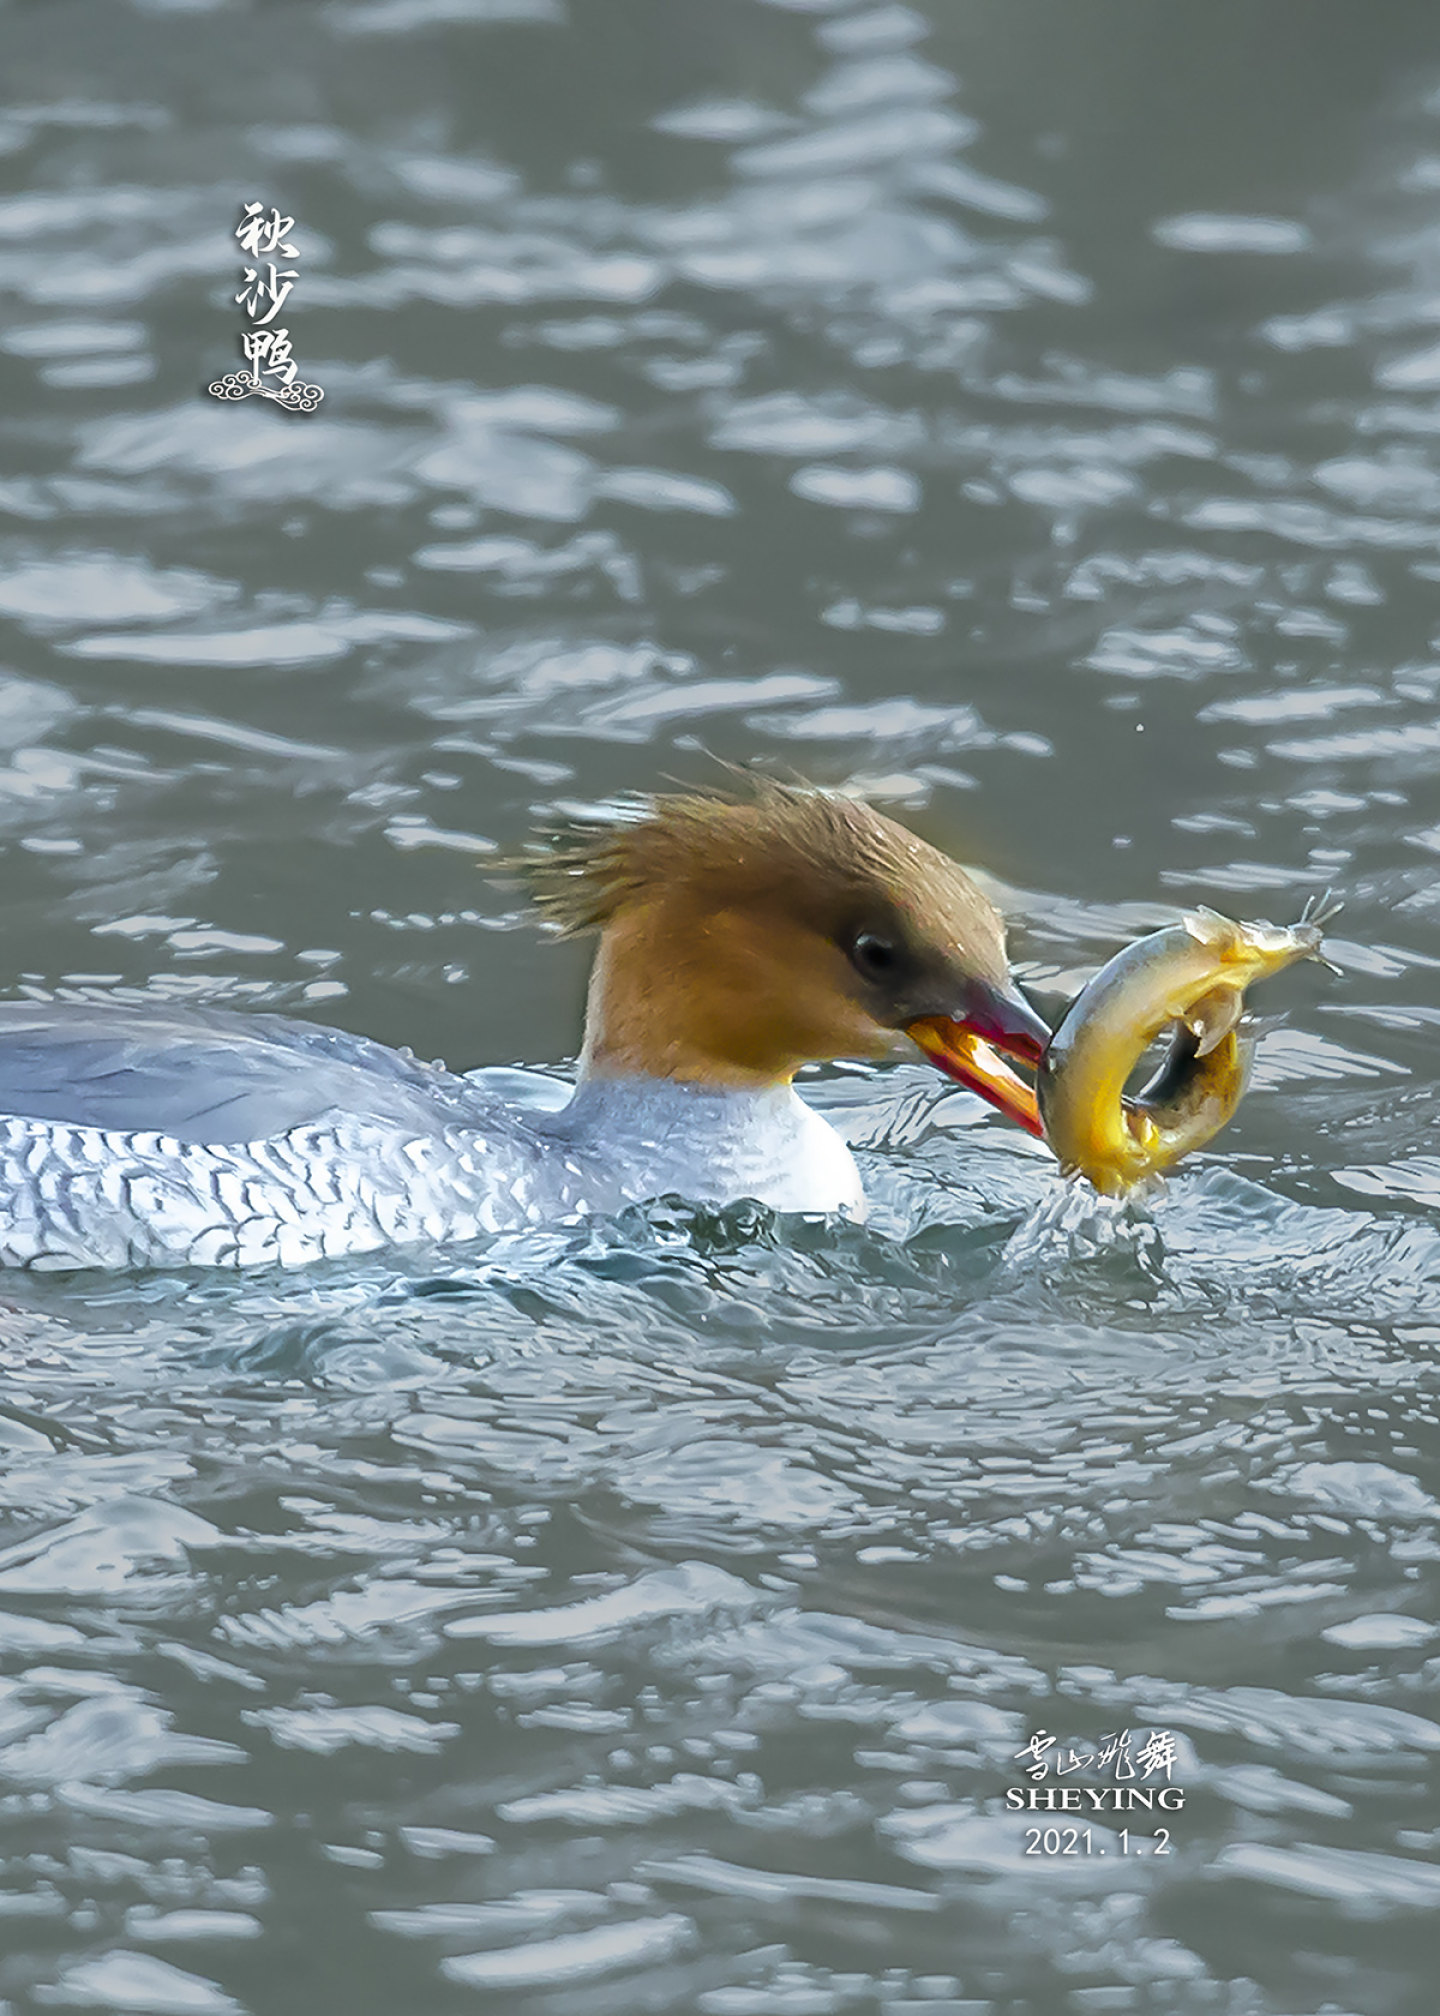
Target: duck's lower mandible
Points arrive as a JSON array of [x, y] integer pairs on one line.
[[1190, 978]]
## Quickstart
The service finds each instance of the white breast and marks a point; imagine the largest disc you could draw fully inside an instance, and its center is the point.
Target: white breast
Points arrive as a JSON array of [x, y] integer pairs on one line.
[[713, 1145]]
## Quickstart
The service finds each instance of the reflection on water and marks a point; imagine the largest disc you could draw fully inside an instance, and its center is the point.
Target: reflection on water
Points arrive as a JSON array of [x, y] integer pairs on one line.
[[1029, 414]]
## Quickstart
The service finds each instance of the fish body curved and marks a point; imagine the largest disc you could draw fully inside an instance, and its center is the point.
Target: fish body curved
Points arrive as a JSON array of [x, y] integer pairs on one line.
[[1191, 978]]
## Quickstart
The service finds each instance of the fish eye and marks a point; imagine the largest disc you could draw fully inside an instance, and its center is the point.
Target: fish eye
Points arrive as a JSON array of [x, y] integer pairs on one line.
[[873, 956]]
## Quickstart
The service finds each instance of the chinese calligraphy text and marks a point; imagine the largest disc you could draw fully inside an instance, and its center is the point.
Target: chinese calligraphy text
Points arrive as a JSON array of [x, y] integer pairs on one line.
[[1154, 1760], [265, 240]]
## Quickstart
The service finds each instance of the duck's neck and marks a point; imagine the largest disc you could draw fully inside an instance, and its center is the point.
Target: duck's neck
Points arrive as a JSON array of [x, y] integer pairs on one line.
[[712, 1143], [684, 1029], [683, 1087], [723, 997]]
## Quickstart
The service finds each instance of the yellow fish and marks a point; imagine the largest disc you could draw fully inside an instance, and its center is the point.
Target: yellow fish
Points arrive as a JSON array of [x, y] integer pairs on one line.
[[1192, 976]]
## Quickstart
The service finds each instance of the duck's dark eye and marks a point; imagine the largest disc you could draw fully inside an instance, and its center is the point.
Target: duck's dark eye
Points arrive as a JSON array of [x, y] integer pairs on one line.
[[875, 957]]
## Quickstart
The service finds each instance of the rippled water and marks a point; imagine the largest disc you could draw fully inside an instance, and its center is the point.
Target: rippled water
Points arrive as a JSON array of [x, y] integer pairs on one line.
[[1029, 412]]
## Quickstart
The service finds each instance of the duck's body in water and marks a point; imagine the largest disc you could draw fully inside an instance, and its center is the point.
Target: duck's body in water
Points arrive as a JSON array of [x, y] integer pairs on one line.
[[739, 940]]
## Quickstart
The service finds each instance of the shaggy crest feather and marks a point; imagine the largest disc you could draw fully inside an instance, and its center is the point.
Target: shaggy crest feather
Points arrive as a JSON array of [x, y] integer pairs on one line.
[[590, 869]]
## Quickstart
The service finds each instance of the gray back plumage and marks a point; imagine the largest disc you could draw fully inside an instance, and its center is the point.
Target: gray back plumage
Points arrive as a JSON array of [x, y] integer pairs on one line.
[[208, 1076]]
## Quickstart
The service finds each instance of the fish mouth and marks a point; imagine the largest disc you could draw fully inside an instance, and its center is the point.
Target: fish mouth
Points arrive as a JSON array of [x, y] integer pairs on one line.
[[972, 1050]]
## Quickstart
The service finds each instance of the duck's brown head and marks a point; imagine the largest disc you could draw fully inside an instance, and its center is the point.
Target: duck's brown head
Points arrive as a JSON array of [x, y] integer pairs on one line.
[[743, 937]]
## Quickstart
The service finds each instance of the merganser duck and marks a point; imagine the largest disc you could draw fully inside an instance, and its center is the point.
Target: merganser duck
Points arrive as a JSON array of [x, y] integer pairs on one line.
[[740, 937]]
